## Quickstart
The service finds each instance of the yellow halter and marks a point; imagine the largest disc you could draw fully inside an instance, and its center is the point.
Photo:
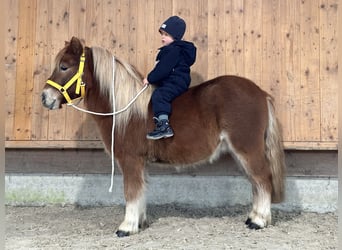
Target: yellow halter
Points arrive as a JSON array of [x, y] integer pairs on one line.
[[80, 86]]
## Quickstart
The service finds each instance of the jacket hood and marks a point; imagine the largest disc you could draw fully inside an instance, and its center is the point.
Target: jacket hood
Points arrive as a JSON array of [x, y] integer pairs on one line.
[[188, 51]]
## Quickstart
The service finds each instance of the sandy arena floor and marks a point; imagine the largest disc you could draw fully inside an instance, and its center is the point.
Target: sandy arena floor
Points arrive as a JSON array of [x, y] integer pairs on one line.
[[171, 227]]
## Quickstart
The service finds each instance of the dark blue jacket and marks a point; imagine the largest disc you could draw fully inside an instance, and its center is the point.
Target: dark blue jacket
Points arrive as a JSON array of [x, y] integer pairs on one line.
[[173, 64]]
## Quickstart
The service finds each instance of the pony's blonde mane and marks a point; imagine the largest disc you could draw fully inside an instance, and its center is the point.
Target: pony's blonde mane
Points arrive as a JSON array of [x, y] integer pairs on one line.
[[127, 83]]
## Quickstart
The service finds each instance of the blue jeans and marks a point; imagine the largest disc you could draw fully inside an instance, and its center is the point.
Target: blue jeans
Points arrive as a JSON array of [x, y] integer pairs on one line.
[[163, 96]]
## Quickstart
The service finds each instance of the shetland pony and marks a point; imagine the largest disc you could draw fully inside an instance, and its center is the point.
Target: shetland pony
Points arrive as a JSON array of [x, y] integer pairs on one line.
[[227, 114]]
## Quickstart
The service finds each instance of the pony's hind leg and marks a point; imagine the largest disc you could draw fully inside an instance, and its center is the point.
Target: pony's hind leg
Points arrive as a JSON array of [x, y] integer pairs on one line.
[[260, 216], [135, 214], [258, 172], [260, 177]]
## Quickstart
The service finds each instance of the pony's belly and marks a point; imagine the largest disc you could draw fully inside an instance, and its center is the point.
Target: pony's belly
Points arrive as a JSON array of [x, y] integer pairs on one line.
[[194, 157]]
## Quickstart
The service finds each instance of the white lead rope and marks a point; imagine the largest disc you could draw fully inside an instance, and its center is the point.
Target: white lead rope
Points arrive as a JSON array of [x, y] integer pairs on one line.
[[113, 128], [113, 114]]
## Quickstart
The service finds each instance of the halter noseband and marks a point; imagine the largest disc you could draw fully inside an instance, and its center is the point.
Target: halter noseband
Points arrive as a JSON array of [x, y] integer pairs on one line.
[[80, 86]]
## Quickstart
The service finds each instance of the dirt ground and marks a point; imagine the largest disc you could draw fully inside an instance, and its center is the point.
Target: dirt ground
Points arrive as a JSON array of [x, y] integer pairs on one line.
[[171, 227]]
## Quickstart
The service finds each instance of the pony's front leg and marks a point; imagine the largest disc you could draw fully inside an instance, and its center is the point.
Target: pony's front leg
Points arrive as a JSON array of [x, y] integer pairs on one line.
[[135, 214], [135, 217]]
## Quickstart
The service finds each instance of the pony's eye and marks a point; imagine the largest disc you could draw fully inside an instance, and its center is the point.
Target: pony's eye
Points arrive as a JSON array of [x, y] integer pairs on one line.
[[63, 67]]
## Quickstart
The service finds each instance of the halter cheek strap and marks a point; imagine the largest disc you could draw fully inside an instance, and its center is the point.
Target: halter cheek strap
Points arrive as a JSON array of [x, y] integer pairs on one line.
[[80, 86]]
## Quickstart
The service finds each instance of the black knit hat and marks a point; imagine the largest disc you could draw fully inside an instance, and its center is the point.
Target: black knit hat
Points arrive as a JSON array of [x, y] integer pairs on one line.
[[175, 26]]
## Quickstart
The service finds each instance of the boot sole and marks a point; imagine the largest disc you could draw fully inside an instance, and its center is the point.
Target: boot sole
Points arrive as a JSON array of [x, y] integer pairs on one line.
[[158, 137]]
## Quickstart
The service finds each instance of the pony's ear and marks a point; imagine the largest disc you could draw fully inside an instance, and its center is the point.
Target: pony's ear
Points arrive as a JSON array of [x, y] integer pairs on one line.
[[82, 42], [75, 46]]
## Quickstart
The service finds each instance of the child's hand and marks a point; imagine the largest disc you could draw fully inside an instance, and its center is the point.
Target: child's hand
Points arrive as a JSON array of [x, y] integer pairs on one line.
[[145, 82]]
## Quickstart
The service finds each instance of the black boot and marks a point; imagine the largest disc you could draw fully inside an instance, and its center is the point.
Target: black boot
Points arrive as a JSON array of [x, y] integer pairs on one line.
[[162, 130]]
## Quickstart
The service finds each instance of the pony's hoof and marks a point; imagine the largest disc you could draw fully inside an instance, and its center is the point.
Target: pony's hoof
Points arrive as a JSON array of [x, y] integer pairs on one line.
[[121, 233], [143, 225], [252, 225]]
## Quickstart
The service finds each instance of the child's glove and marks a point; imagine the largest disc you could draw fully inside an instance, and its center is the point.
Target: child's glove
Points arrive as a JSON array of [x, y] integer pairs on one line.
[[145, 82]]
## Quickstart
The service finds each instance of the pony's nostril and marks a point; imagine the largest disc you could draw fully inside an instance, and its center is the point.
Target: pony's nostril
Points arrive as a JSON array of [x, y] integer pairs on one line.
[[43, 97]]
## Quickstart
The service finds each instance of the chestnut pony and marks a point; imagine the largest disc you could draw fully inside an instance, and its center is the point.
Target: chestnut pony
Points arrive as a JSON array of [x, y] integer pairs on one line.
[[227, 114]]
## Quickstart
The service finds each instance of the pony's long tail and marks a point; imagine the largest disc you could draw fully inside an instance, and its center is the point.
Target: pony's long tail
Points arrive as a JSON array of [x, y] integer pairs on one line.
[[275, 153]]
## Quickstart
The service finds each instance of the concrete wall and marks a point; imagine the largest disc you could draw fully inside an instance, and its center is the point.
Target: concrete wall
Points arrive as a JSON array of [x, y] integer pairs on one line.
[[302, 193]]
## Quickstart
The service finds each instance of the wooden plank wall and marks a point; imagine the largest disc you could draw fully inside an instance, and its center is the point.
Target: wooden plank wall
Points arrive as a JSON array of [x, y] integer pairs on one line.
[[288, 47]]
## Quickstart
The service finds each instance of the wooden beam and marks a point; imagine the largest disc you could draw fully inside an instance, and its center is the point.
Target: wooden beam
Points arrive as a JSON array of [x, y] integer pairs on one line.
[[96, 161], [94, 144]]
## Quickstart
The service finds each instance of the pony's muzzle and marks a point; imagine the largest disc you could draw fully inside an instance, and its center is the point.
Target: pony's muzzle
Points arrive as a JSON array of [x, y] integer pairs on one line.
[[49, 101]]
